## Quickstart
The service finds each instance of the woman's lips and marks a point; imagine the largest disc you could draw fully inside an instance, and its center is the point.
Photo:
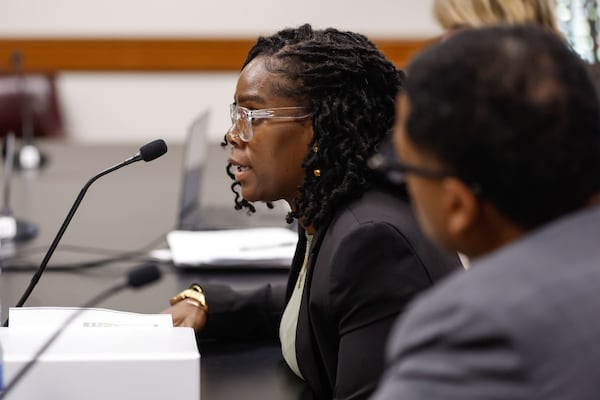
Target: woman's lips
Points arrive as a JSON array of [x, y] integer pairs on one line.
[[240, 170]]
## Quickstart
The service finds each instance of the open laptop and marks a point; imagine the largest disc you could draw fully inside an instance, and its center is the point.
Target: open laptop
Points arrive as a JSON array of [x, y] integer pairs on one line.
[[189, 213]]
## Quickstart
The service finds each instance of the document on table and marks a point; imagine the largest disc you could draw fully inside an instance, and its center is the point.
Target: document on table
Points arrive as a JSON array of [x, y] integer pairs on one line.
[[255, 247], [55, 317]]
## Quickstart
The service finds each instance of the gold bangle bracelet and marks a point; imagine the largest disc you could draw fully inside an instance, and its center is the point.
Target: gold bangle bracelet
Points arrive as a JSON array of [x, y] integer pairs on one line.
[[195, 292], [197, 288]]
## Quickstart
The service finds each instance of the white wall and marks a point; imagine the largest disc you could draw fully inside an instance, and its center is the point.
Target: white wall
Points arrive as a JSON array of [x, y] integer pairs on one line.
[[110, 107], [140, 107]]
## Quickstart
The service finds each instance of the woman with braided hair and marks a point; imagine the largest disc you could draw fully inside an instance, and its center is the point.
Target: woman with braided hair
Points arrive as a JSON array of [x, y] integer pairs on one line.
[[310, 108]]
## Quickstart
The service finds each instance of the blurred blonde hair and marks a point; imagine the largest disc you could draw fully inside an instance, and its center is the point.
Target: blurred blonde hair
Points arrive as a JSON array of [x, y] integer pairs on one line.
[[454, 14]]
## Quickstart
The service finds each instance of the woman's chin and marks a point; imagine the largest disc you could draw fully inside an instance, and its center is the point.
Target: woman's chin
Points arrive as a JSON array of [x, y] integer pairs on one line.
[[249, 195], [255, 197]]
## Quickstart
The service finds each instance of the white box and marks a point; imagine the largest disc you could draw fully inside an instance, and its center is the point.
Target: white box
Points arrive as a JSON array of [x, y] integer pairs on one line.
[[104, 363]]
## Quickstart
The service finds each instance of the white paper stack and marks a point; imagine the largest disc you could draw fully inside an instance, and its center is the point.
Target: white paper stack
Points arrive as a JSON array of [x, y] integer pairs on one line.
[[256, 247], [103, 354], [55, 317]]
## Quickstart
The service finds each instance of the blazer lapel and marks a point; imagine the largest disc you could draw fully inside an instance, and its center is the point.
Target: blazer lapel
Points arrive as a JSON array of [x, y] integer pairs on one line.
[[307, 352]]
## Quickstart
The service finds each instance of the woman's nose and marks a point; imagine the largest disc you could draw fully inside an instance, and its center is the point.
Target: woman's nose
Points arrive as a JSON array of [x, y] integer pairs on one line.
[[233, 136]]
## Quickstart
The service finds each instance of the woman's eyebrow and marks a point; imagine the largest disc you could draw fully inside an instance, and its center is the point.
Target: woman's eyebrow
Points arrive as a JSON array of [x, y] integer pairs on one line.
[[250, 98]]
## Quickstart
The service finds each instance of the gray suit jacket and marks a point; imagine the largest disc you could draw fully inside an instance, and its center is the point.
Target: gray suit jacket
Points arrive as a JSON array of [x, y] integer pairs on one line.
[[522, 323]]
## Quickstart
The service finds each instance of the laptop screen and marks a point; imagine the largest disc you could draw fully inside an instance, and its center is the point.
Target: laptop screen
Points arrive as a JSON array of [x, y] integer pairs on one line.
[[194, 163]]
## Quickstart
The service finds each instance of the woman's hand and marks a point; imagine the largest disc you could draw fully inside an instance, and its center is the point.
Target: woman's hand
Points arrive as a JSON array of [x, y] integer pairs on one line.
[[189, 313]]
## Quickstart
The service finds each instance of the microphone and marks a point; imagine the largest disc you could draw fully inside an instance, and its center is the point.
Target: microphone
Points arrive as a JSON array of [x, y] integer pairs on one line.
[[147, 152], [142, 276], [136, 278], [12, 228]]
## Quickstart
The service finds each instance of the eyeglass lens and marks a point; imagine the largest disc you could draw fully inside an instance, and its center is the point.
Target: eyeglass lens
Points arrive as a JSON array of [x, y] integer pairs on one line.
[[241, 122]]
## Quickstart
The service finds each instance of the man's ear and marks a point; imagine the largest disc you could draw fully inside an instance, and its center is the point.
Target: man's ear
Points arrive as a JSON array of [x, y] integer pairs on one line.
[[462, 206]]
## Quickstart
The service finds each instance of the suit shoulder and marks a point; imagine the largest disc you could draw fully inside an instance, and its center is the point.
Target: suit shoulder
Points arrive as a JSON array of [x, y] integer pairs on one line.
[[376, 206]]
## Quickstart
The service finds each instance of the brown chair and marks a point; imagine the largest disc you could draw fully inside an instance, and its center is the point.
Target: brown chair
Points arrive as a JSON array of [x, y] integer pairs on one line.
[[31, 98]]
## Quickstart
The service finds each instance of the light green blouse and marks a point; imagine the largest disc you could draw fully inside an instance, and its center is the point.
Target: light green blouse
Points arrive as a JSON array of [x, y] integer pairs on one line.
[[289, 320]]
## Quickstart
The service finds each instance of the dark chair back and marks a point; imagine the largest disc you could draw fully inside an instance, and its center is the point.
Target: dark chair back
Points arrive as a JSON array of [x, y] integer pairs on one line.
[[30, 102]]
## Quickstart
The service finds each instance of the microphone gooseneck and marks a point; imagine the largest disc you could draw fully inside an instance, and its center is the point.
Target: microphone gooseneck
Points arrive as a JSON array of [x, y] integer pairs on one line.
[[11, 228], [29, 156], [25, 106], [136, 278], [157, 148]]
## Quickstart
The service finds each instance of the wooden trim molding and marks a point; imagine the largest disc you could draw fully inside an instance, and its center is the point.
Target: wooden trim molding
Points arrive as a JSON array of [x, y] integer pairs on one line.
[[153, 55]]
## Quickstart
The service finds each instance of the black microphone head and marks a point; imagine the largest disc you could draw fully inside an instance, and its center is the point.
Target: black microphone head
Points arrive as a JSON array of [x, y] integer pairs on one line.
[[143, 275], [153, 150]]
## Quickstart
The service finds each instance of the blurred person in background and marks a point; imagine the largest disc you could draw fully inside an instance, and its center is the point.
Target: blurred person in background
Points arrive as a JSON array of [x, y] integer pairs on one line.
[[455, 15]]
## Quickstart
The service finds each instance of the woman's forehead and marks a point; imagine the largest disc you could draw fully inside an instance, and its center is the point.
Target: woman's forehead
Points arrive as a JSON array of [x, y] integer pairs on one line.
[[258, 84]]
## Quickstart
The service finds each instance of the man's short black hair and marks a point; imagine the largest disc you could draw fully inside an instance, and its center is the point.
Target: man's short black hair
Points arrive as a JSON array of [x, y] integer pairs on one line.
[[513, 110]]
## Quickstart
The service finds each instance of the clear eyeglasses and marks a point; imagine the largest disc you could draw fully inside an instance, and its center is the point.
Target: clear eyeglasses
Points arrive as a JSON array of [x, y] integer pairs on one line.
[[242, 118]]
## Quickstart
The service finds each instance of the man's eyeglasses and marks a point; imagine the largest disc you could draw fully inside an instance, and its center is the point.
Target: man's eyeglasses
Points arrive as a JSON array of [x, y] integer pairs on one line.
[[242, 118], [395, 171]]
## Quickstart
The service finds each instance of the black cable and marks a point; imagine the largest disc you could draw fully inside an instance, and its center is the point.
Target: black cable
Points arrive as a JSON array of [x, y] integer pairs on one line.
[[77, 266], [116, 257], [85, 249]]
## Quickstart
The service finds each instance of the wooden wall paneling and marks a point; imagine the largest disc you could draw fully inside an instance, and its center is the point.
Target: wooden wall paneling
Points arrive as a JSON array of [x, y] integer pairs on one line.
[[152, 55]]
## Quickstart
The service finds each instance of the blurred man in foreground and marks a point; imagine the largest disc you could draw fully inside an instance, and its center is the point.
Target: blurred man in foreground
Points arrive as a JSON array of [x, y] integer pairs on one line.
[[498, 136]]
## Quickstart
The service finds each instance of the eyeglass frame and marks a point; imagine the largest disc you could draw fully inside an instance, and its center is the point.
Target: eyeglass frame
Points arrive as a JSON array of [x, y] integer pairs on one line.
[[395, 171], [248, 116]]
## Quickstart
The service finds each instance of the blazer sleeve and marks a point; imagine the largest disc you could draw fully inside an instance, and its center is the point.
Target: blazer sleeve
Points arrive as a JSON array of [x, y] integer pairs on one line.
[[250, 314], [445, 350], [376, 273]]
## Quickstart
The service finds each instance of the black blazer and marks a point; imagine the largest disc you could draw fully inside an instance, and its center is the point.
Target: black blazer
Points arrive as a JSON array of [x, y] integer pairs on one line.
[[363, 269]]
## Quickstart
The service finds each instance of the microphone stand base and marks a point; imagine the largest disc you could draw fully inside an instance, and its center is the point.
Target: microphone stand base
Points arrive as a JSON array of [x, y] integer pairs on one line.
[[15, 230], [25, 231]]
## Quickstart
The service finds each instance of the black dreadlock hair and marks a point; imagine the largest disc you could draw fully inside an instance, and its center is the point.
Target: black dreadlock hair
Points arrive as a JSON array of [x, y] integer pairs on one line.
[[350, 87]]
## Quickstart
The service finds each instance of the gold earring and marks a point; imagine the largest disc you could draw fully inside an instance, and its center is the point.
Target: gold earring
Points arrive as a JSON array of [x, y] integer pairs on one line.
[[316, 172]]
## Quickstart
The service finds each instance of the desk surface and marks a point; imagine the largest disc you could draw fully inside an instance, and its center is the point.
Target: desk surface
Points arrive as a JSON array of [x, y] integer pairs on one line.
[[124, 211]]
